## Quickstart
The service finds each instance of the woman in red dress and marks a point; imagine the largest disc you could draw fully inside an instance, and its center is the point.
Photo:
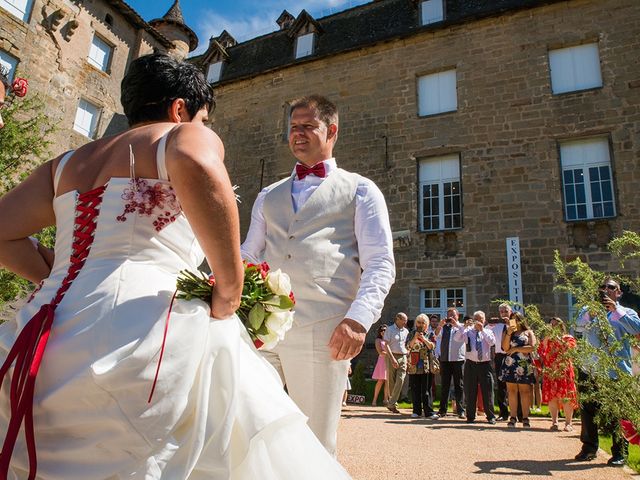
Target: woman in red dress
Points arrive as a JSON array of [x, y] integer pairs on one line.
[[558, 379]]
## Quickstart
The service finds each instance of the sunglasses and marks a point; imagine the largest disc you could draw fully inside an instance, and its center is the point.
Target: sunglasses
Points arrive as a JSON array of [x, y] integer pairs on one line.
[[608, 287]]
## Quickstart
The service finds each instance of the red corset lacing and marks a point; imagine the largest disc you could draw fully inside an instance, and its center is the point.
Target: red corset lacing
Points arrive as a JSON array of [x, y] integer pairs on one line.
[[29, 347]]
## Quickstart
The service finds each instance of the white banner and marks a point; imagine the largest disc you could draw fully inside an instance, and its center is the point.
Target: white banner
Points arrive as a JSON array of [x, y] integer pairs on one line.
[[515, 272]]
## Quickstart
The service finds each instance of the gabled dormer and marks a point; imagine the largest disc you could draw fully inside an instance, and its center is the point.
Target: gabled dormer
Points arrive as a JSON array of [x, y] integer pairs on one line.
[[226, 40], [217, 56], [285, 20], [305, 31]]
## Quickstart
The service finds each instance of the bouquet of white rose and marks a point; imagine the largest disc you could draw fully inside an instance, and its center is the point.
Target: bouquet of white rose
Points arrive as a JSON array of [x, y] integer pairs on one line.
[[266, 304]]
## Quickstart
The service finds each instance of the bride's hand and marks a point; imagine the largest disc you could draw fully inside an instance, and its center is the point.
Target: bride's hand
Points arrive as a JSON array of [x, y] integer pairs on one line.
[[223, 307]]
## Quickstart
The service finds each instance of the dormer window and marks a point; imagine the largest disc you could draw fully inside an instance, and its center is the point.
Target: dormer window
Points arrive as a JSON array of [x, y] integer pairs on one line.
[[214, 72], [305, 44], [431, 11]]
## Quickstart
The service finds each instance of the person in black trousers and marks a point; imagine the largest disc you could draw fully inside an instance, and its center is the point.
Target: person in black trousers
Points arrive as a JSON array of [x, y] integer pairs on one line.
[[420, 376], [451, 361]]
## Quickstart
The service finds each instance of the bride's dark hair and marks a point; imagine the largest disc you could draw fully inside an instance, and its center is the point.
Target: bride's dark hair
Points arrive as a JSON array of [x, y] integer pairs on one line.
[[154, 81]]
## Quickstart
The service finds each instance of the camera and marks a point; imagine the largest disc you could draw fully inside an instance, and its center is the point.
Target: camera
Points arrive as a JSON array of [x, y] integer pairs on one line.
[[602, 295]]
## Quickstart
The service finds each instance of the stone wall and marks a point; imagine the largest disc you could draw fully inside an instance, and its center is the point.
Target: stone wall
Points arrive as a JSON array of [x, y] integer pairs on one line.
[[55, 61], [506, 130]]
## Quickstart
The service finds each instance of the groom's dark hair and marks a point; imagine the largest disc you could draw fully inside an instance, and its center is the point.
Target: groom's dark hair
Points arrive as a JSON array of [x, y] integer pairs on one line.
[[154, 81]]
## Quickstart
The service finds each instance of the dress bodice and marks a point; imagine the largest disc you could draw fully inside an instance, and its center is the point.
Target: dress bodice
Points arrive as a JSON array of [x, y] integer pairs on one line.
[[520, 340], [139, 220]]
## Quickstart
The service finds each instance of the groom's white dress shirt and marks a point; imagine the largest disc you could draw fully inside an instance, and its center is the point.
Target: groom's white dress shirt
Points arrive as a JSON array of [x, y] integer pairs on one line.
[[372, 231]]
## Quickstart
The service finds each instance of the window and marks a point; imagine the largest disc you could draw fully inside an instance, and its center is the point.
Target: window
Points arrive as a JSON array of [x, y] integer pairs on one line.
[[440, 196], [108, 19], [8, 63], [431, 11], [18, 8], [86, 118], [213, 72], [586, 179], [304, 45], [100, 54], [437, 93], [575, 68], [438, 300]]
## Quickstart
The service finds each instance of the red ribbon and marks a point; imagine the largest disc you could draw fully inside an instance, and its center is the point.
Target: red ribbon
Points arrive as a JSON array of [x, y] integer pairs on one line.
[[28, 350], [164, 341]]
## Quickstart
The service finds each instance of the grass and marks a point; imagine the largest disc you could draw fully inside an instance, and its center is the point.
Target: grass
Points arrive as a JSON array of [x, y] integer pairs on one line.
[[634, 452]]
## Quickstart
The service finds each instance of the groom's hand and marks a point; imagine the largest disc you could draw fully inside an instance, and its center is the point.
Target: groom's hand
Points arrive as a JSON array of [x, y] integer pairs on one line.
[[347, 340]]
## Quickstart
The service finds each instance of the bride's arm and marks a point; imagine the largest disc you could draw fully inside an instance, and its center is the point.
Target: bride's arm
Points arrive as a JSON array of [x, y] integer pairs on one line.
[[195, 165], [25, 210]]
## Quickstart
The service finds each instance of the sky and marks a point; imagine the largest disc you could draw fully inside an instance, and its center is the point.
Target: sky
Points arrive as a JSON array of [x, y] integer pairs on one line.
[[243, 19]]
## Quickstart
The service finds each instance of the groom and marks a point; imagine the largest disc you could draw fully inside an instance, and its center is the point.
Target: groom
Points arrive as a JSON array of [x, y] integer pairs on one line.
[[329, 230]]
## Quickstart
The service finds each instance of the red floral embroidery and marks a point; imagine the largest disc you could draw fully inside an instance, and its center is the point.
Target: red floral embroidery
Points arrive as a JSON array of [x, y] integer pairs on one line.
[[144, 199]]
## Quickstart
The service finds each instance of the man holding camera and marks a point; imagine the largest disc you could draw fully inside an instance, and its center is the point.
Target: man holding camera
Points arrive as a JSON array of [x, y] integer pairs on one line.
[[623, 322], [451, 360], [477, 365]]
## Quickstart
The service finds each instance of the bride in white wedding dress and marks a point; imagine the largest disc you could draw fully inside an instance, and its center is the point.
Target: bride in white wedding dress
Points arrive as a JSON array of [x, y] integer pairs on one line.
[[80, 359]]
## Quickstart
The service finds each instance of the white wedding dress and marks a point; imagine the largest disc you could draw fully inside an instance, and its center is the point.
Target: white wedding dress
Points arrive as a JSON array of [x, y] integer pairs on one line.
[[218, 411]]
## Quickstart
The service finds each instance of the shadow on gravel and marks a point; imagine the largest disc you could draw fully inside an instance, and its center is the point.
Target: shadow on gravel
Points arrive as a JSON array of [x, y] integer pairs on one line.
[[513, 467]]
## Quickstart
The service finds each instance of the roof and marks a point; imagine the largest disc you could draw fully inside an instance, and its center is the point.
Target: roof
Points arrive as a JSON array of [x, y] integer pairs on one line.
[[359, 27], [174, 17], [137, 21]]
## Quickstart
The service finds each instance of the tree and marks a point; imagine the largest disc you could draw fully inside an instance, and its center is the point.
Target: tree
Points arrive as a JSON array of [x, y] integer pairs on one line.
[[24, 144], [615, 390]]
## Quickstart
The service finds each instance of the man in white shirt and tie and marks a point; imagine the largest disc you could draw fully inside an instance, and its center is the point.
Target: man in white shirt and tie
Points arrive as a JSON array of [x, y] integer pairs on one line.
[[329, 230], [478, 341]]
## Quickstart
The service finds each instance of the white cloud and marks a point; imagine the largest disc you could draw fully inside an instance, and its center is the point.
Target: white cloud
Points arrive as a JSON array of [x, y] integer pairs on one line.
[[262, 19]]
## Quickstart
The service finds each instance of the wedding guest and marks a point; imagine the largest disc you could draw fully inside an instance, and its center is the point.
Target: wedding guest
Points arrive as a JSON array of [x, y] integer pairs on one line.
[[558, 378], [477, 365], [419, 369], [78, 360], [624, 322], [380, 370], [434, 321], [347, 387], [517, 370], [396, 344], [329, 230], [499, 327], [451, 360]]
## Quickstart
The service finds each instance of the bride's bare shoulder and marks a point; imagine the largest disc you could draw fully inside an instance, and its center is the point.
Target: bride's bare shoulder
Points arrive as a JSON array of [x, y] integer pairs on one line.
[[195, 139]]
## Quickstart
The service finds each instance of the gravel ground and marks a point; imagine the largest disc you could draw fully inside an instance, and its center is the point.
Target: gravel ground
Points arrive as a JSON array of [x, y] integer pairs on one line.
[[374, 444]]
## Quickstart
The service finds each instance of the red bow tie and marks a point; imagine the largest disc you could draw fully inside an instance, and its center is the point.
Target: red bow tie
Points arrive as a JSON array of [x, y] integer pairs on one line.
[[317, 170]]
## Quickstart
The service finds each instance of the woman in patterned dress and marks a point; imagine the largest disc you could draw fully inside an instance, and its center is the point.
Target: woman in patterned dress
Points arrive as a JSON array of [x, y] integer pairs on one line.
[[517, 371]]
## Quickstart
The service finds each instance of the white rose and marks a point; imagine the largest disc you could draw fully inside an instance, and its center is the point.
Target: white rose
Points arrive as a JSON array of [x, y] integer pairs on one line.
[[508, 361], [279, 323], [269, 341], [279, 282], [519, 371]]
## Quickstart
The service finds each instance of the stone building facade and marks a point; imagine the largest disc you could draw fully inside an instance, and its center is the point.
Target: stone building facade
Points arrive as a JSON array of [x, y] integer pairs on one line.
[[75, 53], [479, 121]]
